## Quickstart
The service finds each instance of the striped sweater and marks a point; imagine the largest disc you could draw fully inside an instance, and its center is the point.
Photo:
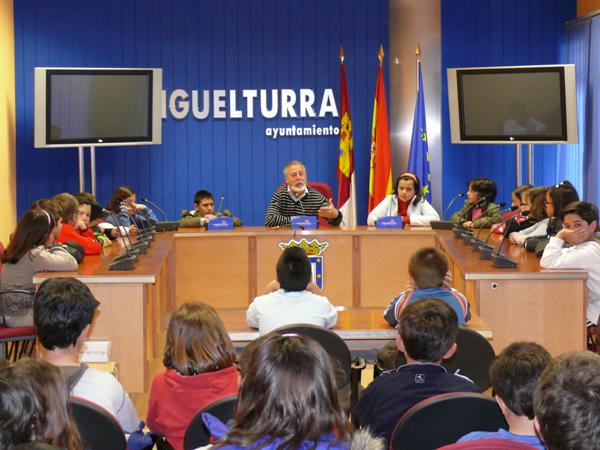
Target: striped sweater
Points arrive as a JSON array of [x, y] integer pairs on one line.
[[283, 207]]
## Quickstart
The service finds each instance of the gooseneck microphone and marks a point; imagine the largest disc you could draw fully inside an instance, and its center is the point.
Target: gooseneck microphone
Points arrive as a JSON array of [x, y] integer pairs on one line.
[[126, 261], [144, 234], [486, 250], [221, 200], [456, 197], [459, 231], [475, 241], [155, 206]]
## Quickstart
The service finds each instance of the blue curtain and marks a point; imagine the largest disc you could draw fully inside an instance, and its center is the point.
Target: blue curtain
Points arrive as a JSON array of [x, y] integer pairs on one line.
[[580, 163]]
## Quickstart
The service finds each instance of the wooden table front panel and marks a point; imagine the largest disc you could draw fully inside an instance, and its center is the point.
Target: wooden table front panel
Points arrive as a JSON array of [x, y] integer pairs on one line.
[[213, 270], [549, 312], [384, 264], [336, 259]]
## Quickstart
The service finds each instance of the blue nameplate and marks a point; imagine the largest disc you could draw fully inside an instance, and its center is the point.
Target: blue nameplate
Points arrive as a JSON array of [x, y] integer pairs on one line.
[[304, 223], [221, 223], [390, 222]]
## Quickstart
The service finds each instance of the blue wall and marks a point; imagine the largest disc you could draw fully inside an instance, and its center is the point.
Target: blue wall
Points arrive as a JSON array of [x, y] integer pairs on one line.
[[203, 45], [498, 33]]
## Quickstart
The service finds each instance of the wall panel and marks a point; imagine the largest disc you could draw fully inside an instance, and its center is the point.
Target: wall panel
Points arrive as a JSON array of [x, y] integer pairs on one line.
[[231, 44]]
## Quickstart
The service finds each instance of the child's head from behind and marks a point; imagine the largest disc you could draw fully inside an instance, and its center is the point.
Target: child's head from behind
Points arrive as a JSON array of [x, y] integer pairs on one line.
[[288, 392], [515, 374], [517, 196], [62, 309], [19, 407], [427, 330], [293, 269], [427, 267], [67, 206], [55, 425], [558, 196], [197, 341], [35, 228], [580, 215]]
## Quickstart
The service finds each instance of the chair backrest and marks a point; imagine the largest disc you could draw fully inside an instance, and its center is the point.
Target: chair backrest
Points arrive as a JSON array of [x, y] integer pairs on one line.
[[473, 358], [443, 419], [196, 434], [323, 188], [488, 444], [334, 345], [99, 428]]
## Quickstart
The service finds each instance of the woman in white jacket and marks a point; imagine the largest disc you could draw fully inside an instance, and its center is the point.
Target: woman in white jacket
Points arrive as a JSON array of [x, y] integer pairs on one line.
[[406, 201]]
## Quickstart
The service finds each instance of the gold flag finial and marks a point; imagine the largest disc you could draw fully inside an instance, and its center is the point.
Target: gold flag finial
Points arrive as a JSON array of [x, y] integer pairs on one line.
[[380, 54], [342, 54], [418, 52]]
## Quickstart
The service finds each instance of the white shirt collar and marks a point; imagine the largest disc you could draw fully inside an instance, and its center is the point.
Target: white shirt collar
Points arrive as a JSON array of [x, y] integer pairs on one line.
[[293, 197]]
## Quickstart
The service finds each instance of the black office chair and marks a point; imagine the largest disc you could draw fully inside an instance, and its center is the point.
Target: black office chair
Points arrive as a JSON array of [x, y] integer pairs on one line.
[[473, 358], [99, 429], [15, 342], [196, 434], [348, 371], [443, 419]]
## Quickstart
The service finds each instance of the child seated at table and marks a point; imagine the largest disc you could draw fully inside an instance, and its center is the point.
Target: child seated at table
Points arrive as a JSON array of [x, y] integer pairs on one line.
[[427, 270], [73, 229], [577, 246], [538, 217], [479, 209], [292, 302], [427, 333]]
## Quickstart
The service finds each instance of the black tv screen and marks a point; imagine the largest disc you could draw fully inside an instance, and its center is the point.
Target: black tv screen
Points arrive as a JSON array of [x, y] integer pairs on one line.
[[97, 107], [513, 104]]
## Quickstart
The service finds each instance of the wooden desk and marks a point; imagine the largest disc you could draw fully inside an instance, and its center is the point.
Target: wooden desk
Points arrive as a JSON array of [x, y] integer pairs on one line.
[[522, 304], [362, 266], [360, 328], [133, 306]]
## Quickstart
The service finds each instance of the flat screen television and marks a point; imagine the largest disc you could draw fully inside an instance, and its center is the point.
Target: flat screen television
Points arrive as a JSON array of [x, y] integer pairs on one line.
[[97, 106], [520, 104]]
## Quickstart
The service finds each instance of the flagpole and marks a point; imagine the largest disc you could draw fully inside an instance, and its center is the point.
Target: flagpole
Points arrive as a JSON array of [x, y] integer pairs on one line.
[[418, 56]]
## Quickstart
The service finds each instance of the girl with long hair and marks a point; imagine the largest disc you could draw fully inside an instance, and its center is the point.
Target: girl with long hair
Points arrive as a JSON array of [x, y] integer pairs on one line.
[[407, 201], [27, 253], [199, 360]]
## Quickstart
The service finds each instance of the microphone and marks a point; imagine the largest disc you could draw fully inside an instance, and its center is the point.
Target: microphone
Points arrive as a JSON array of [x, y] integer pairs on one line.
[[459, 231], [155, 206], [475, 241], [500, 261], [123, 262], [145, 234], [221, 199], [485, 249], [456, 197]]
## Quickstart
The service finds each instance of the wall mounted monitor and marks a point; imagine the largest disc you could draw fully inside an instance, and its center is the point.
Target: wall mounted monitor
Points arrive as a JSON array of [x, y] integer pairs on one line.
[[97, 106], [520, 104]]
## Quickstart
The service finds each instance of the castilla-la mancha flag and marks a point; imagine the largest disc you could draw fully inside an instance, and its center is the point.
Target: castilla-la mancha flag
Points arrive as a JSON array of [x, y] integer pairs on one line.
[[380, 181], [345, 171]]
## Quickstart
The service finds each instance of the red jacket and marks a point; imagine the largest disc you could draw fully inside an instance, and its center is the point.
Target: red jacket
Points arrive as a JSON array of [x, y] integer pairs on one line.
[[175, 399], [86, 238]]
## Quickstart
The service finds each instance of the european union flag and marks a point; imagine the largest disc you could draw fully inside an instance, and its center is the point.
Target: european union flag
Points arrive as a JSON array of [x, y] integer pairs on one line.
[[418, 159]]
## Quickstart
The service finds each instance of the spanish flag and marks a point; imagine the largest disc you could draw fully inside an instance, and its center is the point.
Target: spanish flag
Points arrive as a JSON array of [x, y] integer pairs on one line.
[[380, 181], [345, 171]]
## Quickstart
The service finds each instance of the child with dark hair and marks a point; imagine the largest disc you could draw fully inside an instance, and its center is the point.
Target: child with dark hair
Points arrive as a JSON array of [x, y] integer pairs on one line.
[[427, 268], [516, 219], [406, 201], [292, 302], [479, 209], [567, 410], [204, 212], [537, 217], [27, 253], [132, 215], [514, 375], [19, 407], [287, 400], [427, 332], [63, 311], [199, 360], [73, 228], [577, 246]]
